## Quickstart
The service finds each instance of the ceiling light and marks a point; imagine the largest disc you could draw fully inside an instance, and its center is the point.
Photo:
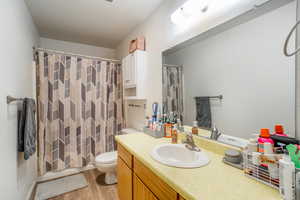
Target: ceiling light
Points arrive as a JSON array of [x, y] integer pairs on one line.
[[194, 7], [188, 10]]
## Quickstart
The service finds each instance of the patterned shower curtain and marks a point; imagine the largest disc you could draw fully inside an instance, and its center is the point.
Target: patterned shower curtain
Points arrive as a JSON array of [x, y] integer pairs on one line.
[[173, 90], [80, 109]]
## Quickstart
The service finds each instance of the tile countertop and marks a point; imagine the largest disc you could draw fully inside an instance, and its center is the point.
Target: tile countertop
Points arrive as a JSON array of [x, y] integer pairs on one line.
[[215, 181]]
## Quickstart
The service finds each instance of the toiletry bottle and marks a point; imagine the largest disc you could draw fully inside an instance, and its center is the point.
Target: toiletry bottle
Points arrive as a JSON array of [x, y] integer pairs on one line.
[[252, 145], [294, 153], [154, 126], [171, 117], [195, 128], [297, 184], [287, 178], [158, 114], [279, 131], [179, 126], [264, 137], [268, 148], [147, 123], [174, 135], [168, 130]]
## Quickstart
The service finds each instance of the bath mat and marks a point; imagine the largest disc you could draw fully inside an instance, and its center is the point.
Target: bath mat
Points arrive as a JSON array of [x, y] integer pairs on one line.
[[60, 186]]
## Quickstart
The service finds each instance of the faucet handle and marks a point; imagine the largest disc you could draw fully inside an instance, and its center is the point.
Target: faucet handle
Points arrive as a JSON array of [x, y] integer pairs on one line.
[[215, 128], [189, 133]]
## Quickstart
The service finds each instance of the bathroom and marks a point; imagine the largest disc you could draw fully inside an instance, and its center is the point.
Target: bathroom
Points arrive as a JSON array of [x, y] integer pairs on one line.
[[137, 99]]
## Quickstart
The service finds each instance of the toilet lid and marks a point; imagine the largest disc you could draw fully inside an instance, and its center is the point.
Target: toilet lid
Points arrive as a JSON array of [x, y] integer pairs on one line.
[[107, 158]]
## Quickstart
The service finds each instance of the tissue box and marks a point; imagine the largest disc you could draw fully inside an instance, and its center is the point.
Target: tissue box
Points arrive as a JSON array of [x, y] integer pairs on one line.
[[137, 44]]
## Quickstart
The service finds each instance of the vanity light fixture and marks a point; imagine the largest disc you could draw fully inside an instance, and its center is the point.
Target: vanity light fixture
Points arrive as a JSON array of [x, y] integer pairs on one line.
[[188, 10]]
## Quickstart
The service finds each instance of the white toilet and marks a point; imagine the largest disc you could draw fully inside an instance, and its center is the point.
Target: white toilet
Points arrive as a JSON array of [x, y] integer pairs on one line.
[[107, 163]]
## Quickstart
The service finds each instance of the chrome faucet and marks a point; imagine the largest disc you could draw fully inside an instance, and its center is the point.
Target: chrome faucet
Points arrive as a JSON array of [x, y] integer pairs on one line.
[[215, 133], [190, 143]]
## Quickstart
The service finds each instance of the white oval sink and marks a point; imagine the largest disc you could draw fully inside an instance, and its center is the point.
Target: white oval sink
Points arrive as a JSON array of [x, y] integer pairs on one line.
[[177, 155]]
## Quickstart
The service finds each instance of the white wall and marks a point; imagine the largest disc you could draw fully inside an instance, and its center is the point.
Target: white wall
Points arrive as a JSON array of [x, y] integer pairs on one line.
[[77, 48], [161, 35], [298, 79], [17, 36], [246, 65]]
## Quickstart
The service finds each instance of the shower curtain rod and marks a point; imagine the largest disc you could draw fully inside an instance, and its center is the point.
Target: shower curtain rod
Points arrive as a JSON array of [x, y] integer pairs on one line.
[[73, 54]]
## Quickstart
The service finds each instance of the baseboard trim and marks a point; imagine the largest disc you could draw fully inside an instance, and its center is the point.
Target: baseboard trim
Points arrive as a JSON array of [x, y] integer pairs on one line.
[[31, 192]]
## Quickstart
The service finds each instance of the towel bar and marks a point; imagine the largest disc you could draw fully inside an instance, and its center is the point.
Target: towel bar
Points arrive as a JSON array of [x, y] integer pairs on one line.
[[10, 99], [213, 97]]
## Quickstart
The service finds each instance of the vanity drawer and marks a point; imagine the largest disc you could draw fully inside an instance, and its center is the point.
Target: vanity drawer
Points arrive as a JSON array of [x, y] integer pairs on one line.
[[153, 182], [125, 155]]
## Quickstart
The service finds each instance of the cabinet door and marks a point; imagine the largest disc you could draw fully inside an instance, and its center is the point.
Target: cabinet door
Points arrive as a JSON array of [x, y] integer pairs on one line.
[[126, 70], [133, 68], [141, 192], [124, 180], [157, 186], [129, 72]]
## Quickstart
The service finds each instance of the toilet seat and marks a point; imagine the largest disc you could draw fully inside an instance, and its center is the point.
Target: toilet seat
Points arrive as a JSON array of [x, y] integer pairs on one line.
[[107, 158]]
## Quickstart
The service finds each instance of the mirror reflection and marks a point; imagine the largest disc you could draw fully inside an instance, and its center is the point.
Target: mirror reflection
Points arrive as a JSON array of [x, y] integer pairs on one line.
[[235, 77]]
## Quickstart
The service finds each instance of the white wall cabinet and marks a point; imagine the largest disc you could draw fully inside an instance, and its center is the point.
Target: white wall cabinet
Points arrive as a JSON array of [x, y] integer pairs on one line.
[[134, 74], [129, 71]]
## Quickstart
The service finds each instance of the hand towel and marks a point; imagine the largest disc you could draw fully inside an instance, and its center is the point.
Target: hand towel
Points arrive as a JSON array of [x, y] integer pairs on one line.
[[27, 128], [203, 112]]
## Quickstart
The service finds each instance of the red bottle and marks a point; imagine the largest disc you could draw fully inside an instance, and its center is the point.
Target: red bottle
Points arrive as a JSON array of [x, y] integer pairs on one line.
[[279, 131], [264, 137]]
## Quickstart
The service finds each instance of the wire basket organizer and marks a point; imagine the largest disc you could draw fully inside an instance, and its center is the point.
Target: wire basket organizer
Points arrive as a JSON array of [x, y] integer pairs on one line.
[[260, 171]]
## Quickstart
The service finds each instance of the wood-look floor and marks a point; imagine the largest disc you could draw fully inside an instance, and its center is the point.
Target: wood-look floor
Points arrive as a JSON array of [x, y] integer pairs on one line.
[[94, 191]]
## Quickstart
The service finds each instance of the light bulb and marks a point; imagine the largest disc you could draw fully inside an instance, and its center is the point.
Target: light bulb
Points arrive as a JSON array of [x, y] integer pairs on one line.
[[188, 10]]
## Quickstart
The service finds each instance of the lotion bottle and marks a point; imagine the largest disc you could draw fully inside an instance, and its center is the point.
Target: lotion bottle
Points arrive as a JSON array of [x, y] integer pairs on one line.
[[287, 178]]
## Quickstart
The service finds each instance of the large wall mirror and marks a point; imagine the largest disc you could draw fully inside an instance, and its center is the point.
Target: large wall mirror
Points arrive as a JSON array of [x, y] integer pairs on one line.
[[243, 61]]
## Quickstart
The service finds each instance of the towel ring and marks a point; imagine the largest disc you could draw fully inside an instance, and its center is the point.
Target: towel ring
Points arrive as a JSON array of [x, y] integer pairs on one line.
[[285, 51]]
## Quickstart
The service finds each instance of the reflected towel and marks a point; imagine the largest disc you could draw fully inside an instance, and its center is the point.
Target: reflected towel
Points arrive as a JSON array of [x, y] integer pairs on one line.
[[203, 112]]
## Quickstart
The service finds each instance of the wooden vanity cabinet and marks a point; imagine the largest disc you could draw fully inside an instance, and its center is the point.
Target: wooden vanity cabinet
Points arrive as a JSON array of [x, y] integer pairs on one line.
[[162, 190], [124, 180], [125, 156], [140, 191], [138, 182], [124, 174]]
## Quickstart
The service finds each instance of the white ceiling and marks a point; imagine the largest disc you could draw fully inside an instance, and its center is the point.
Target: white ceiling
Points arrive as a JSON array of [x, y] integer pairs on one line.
[[94, 22]]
